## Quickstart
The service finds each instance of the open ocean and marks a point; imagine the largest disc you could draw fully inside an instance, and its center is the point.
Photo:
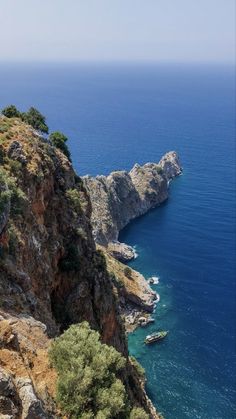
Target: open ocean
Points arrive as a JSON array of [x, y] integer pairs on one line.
[[116, 115]]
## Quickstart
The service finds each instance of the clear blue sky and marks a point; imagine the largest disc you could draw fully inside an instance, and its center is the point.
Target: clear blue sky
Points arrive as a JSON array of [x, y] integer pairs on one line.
[[113, 30]]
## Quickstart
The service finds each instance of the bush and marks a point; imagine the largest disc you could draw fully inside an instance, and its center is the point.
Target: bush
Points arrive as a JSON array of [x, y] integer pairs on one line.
[[11, 193], [5, 198], [59, 140], [138, 413], [11, 112], [34, 118], [87, 385], [74, 198], [128, 272], [140, 370]]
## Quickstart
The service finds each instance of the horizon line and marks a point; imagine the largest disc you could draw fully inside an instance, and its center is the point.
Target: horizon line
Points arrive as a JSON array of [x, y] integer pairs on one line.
[[115, 62]]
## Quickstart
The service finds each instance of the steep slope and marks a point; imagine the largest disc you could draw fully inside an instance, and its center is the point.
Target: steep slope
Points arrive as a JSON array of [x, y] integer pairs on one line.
[[50, 271], [122, 196]]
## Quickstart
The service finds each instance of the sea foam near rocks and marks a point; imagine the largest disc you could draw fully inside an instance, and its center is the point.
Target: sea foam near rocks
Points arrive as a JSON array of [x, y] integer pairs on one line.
[[156, 279]]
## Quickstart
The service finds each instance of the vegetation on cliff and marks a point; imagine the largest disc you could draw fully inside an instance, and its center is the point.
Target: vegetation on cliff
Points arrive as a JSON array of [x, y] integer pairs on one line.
[[59, 140], [88, 385], [50, 270], [32, 117], [88, 376]]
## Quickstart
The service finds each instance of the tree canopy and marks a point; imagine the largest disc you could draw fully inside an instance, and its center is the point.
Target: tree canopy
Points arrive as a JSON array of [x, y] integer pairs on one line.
[[88, 386], [138, 413], [59, 140], [11, 112], [34, 118]]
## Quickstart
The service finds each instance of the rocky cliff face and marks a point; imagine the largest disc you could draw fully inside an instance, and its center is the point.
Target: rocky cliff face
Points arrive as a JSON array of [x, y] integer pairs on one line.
[[122, 196], [51, 274]]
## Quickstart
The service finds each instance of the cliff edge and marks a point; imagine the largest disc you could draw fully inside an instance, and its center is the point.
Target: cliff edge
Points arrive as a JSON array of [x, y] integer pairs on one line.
[[51, 274]]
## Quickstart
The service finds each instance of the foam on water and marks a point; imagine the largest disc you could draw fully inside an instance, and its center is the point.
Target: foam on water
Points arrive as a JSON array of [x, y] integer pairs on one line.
[[155, 279]]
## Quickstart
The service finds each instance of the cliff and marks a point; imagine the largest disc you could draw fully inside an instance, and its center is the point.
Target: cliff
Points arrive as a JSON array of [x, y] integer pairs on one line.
[[51, 274], [122, 196]]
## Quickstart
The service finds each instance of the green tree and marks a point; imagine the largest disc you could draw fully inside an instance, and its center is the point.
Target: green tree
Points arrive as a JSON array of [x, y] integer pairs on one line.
[[88, 386], [11, 112], [138, 413], [59, 140], [34, 118]]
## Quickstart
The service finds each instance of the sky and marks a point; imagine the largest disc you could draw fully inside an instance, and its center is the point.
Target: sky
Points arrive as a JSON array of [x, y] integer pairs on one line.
[[117, 30]]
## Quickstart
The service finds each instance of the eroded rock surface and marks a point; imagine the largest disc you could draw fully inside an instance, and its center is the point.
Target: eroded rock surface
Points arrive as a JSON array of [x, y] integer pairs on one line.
[[122, 196]]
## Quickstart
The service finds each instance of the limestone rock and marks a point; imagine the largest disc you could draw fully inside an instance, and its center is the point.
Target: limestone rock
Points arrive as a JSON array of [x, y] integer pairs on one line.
[[122, 196], [31, 405], [16, 152], [121, 251], [9, 405], [133, 289], [171, 165]]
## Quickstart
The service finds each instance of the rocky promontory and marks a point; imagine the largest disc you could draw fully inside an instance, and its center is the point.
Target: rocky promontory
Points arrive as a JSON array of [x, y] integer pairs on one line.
[[123, 196]]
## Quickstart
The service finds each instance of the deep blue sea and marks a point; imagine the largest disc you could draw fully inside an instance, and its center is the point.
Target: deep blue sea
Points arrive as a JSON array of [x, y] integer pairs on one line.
[[116, 115]]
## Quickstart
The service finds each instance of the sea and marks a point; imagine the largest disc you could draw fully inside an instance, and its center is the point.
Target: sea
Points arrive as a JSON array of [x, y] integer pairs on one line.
[[116, 115]]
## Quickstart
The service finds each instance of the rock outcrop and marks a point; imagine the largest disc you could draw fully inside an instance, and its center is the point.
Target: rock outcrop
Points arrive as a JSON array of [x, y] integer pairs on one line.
[[122, 196], [51, 274], [27, 383], [135, 297], [133, 288]]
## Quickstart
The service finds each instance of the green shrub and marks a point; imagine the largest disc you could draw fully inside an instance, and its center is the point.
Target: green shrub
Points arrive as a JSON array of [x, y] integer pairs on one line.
[[138, 413], [74, 198], [140, 370], [128, 272], [11, 112], [87, 385], [3, 128], [59, 140], [34, 118], [5, 197], [14, 165], [12, 193]]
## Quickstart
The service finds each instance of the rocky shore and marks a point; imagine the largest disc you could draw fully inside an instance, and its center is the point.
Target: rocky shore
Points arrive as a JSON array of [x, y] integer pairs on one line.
[[135, 296], [123, 196]]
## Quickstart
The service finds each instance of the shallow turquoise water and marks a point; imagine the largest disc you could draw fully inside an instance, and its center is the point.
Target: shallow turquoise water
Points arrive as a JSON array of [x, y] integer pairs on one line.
[[116, 116]]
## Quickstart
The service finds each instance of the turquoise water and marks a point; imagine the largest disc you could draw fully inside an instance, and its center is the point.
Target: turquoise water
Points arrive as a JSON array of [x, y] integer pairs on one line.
[[116, 116]]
